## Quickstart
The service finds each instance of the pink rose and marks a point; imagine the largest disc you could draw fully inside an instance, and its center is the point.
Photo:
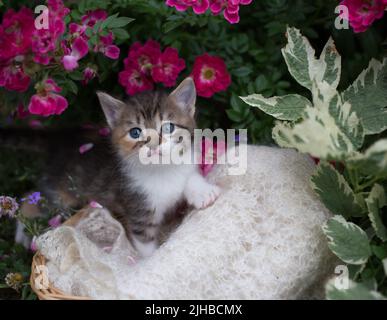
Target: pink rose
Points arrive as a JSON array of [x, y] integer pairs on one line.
[[363, 13], [47, 102], [210, 75], [12, 75], [15, 33], [168, 67], [134, 81]]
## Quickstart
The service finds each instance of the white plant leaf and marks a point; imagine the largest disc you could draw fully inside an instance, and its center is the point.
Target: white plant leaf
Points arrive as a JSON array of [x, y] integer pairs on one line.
[[330, 62], [305, 67], [355, 291], [288, 107], [368, 97], [329, 130], [335, 192], [347, 241], [375, 201]]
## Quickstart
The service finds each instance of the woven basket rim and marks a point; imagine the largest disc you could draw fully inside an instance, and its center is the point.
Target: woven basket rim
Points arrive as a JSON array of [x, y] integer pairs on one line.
[[52, 293], [49, 293]]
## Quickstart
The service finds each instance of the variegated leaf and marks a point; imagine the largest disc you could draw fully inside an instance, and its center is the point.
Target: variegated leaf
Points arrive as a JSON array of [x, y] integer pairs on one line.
[[318, 134], [329, 130], [289, 107], [368, 97], [355, 291], [303, 65], [330, 62], [347, 241], [347, 121], [375, 201], [373, 161], [335, 192]]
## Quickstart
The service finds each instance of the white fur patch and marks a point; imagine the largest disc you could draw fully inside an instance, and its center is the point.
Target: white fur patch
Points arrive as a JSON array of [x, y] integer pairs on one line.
[[163, 185]]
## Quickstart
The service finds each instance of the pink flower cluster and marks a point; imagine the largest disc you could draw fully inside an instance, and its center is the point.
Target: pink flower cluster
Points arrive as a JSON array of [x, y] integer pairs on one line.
[[15, 41], [229, 8], [26, 47], [363, 13], [45, 40], [105, 44], [22, 45], [146, 65]]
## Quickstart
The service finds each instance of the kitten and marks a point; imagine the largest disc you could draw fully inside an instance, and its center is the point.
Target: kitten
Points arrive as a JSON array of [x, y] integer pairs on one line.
[[139, 195]]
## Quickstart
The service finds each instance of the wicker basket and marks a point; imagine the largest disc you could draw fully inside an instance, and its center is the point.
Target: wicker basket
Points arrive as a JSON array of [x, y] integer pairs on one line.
[[49, 292]]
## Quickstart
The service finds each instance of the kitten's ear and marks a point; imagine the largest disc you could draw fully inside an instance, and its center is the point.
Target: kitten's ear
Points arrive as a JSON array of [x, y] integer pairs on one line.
[[185, 96], [112, 108]]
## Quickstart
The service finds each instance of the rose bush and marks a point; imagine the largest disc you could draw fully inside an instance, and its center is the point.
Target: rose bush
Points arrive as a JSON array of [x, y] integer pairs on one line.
[[231, 48]]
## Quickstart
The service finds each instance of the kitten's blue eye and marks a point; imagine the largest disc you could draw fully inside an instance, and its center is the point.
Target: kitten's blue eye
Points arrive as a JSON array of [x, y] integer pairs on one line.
[[135, 133], [167, 128]]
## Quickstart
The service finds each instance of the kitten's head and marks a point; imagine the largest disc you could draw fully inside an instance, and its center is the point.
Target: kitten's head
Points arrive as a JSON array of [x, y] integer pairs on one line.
[[151, 123]]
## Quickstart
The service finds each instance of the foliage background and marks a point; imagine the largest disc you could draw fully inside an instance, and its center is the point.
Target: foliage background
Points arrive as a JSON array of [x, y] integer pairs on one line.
[[251, 50]]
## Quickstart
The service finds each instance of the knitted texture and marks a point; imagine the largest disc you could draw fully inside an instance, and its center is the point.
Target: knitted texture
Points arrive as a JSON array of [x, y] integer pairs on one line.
[[262, 239]]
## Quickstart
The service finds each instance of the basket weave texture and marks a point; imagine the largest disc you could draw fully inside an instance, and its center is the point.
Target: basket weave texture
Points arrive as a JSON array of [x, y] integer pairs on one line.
[[49, 292]]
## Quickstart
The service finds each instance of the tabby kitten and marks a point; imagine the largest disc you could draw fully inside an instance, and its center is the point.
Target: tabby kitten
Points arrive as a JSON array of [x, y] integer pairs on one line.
[[113, 173]]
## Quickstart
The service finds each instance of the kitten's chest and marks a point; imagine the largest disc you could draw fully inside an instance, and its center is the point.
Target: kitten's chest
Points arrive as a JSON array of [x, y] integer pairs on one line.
[[163, 189]]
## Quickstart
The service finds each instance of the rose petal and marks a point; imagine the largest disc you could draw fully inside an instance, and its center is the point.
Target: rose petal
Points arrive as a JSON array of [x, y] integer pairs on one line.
[[70, 62], [85, 148], [95, 205]]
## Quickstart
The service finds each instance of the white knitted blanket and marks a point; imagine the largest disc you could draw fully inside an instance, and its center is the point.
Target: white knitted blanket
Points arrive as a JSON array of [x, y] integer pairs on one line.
[[261, 239]]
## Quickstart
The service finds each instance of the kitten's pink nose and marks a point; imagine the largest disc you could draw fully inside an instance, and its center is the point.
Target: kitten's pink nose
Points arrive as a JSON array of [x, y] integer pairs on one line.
[[153, 138]]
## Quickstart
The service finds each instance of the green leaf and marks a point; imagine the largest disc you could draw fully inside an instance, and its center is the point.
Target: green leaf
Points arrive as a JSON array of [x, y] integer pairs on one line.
[[71, 85], [242, 71], [347, 241], [303, 65], [237, 104], [76, 75], [171, 25], [356, 291], [375, 201], [368, 97], [119, 22], [380, 251], [334, 191], [373, 161], [108, 20], [289, 107], [121, 34]]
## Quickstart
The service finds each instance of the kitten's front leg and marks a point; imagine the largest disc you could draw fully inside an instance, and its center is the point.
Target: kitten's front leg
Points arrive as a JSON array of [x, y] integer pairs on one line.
[[144, 238], [144, 248], [199, 192]]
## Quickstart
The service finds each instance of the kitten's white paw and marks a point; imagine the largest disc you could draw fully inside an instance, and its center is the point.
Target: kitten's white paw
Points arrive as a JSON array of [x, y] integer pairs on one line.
[[204, 197], [145, 249]]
